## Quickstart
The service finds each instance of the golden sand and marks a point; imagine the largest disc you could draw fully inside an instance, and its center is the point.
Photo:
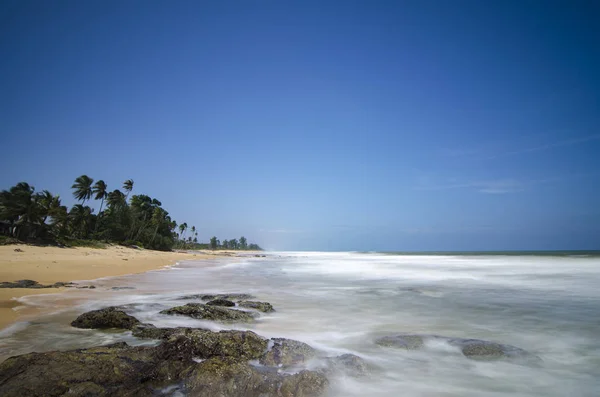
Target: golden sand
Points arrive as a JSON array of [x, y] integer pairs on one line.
[[48, 265]]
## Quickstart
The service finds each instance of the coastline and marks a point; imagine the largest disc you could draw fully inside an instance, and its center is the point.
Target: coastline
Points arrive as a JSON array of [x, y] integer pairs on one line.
[[48, 265]]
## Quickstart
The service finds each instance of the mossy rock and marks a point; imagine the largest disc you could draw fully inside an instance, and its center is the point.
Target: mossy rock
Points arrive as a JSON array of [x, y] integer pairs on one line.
[[109, 317], [197, 343], [407, 342], [113, 370], [287, 352], [264, 307], [209, 297], [213, 313], [226, 376], [221, 302], [348, 364]]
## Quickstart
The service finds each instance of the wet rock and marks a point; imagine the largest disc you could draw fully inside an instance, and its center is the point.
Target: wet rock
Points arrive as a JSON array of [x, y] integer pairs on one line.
[[401, 341], [208, 297], [213, 313], [23, 284], [287, 352], [60, 284], [221, 302], [485, 350], [109, 317], [260, 306], [113, 370], [198, 343], [348, 364], [121, 288], [472, 348], [149, 331], [225, 376]]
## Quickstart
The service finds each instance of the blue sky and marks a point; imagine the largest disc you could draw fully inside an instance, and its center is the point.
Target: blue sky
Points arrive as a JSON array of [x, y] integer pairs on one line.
[[355, 125]]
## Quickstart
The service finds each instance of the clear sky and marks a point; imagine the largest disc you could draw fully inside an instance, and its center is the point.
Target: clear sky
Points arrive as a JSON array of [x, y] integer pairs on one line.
[[317, 125]]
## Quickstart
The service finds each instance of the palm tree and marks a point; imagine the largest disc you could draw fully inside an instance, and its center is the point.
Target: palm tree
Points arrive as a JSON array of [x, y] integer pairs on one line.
[[81, 217], [100, 193], [83, 188], [116, 199], [182, 229], [128, 187], [46, 202]]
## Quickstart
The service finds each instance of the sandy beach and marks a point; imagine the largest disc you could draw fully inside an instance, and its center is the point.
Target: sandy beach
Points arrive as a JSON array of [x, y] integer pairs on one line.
[[49, 265]]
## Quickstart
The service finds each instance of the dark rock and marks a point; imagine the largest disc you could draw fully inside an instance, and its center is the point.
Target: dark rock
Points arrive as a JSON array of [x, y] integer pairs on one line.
[[149, 331], [472, 348], [287, 352], [220, 302], [408, 342], [484, 350], [60, 284], [92, 287], [226, 376], [114, 370], [18, 250], [23, 284], [214, 313], [121, 288], [260, 306], [348, 364], [109, 317], [198, 343], [207, 297]]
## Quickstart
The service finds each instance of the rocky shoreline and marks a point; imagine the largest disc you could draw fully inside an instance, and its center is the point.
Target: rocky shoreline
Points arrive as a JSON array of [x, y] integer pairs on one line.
[[201, 362]]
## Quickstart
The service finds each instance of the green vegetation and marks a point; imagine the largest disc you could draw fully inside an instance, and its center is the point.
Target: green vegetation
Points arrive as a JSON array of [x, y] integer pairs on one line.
[[233, 244], [140, 220]]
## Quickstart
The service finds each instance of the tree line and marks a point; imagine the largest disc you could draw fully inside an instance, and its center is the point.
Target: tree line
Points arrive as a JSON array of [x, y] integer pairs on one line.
[[233, 244], [140, 220]]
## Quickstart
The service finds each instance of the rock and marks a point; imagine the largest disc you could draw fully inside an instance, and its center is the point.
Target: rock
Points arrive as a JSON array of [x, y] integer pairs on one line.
[[18, 250], [60, 284], [121, 288], [484, 350], [109, 317], [206, 297], [226, 376], [204, 344], [149, 331], [287, 352], [22, 284], [472, 348], [260, 306], [348, 364], [220, 302], [213, 313], [113, 370], [401, 341]]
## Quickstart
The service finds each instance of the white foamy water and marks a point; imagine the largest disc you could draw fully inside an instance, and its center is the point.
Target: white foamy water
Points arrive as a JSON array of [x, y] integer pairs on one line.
[[341, 302]]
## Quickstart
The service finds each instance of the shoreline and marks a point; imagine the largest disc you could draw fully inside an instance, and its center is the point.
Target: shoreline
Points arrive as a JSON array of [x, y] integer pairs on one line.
[[48, 265]]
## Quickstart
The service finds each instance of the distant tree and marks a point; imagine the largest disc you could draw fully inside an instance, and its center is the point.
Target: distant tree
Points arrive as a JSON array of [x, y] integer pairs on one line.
[[254, 247], [196, 240], [128, 187], [225, 244], [213, 243], [233, 244], [243, 243], [82, 188]]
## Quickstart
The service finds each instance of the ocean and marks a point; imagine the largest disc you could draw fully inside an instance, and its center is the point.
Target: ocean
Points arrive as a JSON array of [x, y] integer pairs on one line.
[[547, 304]]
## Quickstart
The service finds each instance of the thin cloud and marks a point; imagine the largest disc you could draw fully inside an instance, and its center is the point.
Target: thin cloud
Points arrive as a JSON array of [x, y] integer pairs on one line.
[[568, 142], [282, 231], [496, 186]]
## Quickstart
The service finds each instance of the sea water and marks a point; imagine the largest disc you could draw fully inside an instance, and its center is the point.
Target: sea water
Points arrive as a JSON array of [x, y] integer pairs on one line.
[[342, 302]]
